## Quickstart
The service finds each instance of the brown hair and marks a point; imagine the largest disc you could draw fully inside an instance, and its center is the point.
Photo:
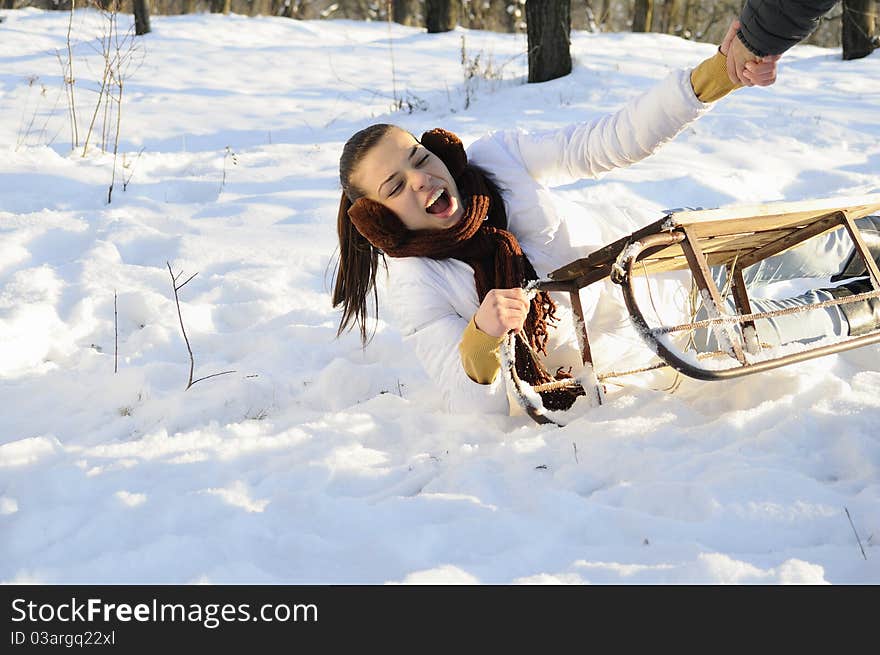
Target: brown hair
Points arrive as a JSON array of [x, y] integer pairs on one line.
[[358, 259]]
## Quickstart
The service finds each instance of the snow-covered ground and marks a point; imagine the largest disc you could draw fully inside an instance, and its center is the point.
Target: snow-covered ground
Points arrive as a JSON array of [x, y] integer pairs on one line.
[[315, 462]]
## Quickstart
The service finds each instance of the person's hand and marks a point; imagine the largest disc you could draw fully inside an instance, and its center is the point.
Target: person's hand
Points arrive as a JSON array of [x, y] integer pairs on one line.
[[761, 72], [743, 66], [502, 310]]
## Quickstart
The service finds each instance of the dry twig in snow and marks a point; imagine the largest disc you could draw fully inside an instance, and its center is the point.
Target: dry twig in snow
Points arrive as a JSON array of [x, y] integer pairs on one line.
[[192, 363]]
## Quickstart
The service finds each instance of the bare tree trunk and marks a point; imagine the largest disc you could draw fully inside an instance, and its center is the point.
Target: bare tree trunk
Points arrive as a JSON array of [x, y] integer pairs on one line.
[[403, 12], [592, 18], [264, 8], [643, 14], [141, 17], [605, 17], [548, 32], [859, 28], [686, 19], [668, 16], [440, 15]]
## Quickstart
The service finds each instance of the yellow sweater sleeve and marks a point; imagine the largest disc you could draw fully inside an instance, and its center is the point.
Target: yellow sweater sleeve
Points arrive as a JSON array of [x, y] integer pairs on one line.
[[479, 354], [710, 80]]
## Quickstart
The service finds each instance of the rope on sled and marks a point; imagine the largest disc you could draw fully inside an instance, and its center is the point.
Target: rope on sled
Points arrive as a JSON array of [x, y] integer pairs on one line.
[[759, 315]]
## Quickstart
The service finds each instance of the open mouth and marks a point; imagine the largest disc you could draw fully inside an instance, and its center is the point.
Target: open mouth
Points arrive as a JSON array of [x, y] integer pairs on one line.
[[439, 202]]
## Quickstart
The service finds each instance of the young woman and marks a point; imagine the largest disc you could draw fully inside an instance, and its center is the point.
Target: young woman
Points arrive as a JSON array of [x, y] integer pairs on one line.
[[462, 232]]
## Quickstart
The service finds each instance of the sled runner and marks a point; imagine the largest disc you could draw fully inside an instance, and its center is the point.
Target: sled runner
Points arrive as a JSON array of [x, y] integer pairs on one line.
[[697, 240]]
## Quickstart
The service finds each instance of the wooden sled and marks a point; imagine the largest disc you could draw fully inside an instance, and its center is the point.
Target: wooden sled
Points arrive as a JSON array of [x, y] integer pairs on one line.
[[734, 237]]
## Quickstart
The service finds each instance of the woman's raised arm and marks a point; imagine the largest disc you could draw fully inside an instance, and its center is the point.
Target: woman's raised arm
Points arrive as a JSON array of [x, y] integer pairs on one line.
[[632, 133]]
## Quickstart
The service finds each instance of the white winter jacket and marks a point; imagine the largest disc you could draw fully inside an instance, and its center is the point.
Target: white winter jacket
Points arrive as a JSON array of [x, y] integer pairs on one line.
[[433, 300]]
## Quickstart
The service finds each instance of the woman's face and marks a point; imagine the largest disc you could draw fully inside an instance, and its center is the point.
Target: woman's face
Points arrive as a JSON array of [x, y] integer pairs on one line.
[[408, 179]]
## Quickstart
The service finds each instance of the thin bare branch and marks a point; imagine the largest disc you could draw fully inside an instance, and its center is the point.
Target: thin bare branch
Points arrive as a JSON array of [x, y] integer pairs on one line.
[[97, 106], [856, 533], [71, 78], [116, 136], [126, 180], [180, 286], [213, 375], [192, 362]]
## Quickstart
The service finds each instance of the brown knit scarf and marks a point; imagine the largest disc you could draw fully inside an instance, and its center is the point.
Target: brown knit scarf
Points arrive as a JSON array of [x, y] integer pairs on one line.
[[480, 240]]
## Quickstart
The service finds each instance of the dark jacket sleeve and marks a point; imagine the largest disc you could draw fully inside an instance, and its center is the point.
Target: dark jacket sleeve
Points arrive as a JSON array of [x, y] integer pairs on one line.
[[770, 27]]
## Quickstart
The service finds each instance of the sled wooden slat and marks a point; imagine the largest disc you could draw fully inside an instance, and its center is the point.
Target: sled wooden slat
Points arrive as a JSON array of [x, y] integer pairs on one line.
[[732, 243], [746, 233], [709, 222], [703, 277], [747, 248]]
